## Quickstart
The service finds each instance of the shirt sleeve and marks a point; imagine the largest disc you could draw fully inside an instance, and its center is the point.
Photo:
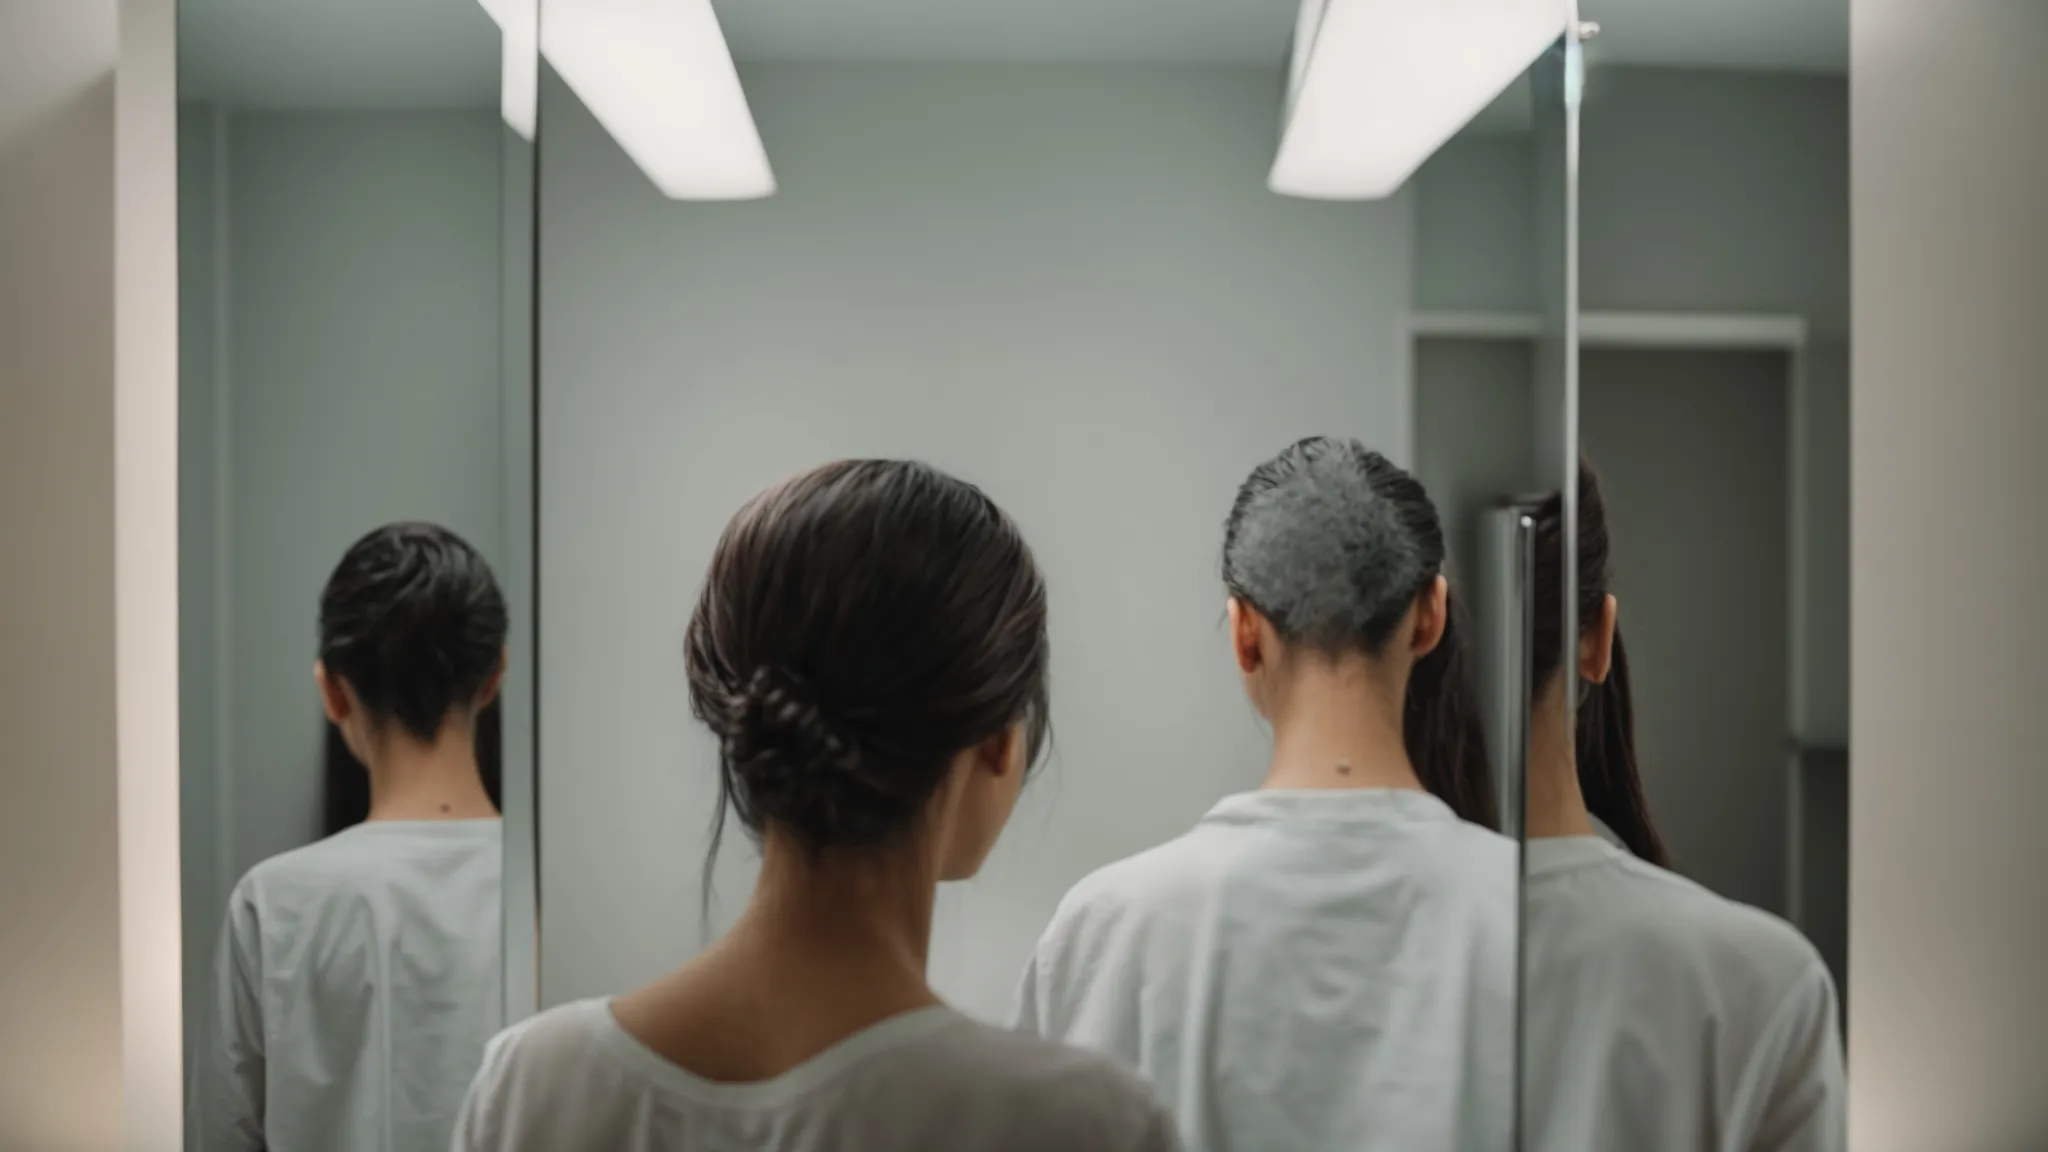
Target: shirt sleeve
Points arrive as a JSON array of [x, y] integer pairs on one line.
[[232, 1073], [1028, 1017], [1807, 1107], [478, 1125], [1162, 1135], [472, 1126]]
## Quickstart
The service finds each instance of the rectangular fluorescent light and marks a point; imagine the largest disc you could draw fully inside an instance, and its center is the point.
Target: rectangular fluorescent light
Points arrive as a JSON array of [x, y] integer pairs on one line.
[[657, 75], [1381, 84]]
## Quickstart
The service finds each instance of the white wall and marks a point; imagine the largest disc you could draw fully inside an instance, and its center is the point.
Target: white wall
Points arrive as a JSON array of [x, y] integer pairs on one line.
[[1068, 284], [146, 568], [88, 819], [1948, 1027]]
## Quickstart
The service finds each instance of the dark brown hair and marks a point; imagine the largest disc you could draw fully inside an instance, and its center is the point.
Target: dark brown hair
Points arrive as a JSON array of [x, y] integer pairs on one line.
[[1333, 543], [413, 620], [861, 625], [1606, 736]]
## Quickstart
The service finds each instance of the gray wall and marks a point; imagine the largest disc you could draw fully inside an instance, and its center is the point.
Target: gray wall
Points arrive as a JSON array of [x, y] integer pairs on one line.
[[1948, 1029], [1474, 408], [1699, 191], [340, 360], [206, 853], [1691, 448], [1475, 226], [1067, 284], [88, 577], [1728, 192], [60, 963]]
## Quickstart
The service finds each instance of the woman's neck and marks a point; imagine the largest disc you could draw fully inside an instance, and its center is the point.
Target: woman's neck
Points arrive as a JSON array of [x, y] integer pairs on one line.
[[873, 908], [413, 779], [1340, 728], [1556, 806], [828, 945]]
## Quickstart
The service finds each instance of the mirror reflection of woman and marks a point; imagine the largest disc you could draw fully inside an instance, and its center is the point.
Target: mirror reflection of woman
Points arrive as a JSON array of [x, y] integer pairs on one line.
[[1326, 962], [1658, 1014], [870, 649], [358, 978]]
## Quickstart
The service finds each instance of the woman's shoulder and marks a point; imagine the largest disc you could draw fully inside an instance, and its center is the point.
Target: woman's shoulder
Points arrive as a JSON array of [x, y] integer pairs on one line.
[[559, 1036], [1673, 925], [1066, 1095], [1688, 906], [1142, 886], [536, 1086]]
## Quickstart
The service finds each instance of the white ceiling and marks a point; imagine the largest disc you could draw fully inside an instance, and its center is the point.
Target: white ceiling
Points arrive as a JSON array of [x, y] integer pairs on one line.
[[428, 53]]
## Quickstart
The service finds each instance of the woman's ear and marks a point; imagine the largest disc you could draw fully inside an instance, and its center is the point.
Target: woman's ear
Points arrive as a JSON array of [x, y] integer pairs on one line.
[[1432, 617], [1009, 752], [1245, 642], [1596, 644], [334, 695], [492, 684]]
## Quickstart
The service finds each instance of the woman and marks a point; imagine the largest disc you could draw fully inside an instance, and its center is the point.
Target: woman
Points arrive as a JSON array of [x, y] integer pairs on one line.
[[1658, 1014], [870, 649], [1327, 962], [358, 977]]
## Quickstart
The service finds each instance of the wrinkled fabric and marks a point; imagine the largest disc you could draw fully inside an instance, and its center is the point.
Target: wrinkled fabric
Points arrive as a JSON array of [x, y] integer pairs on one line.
[[573, 1080], [1661, 1015], [1303, 971], [357, 981]]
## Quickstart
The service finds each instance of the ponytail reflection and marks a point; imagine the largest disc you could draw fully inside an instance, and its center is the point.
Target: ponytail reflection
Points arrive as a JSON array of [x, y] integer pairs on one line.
[[1609, 778]]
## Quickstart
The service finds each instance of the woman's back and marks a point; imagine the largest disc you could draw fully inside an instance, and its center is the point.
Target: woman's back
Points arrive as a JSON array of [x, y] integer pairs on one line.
[[923, 1081], [1656, 1014], [1303, 970], [1328, 962], [1660, 1015], [359, 981]]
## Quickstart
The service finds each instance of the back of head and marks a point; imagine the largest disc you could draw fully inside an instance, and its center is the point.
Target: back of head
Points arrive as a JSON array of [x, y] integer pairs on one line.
[[1333, 543], [414, 622], [861, 625], [1605, 742]]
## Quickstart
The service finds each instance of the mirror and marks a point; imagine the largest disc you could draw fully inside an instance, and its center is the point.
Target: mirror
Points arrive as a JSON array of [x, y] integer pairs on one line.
[[1685, 904], [355, 253], [1496, 379], [1037, 248]]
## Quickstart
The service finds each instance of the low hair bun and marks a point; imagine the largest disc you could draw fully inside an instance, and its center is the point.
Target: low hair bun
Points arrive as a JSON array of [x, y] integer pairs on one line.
[[775, 715], [801, 769]]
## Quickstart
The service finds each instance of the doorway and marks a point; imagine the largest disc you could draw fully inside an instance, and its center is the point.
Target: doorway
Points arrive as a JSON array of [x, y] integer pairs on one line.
[[1691, 449]]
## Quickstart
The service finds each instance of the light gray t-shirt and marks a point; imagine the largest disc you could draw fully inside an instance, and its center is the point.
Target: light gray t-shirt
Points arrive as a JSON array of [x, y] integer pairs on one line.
[[572, 1080], [357, 981], [1304, 971], [1660, 1015]]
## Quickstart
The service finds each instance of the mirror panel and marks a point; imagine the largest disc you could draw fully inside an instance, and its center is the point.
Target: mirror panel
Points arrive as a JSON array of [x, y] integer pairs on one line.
[[355, 223], [1703, 783]]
